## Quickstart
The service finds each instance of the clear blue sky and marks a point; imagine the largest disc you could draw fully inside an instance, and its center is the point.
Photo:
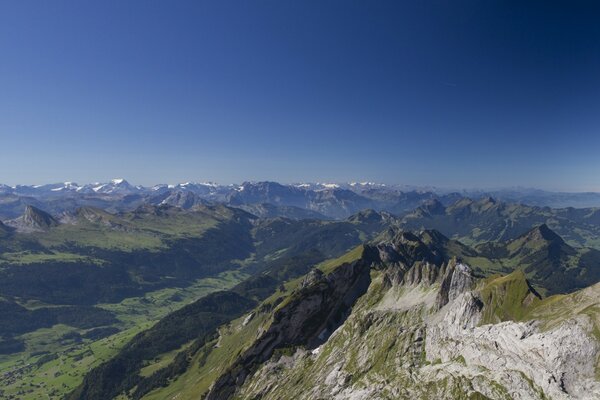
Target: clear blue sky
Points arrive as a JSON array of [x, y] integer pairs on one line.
[[447, 93]]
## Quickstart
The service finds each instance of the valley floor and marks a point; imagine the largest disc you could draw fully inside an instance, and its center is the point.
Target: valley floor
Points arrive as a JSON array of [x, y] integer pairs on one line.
[[56, 359]]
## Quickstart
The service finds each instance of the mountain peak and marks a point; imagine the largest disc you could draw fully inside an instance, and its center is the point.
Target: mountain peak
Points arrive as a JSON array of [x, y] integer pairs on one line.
[[366, 216], [543, 232], [433, 207], [35, 219], [91, 214], [433, 236]]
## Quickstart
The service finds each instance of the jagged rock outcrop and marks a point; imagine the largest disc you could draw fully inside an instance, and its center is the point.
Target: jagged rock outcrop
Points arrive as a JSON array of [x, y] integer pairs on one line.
[[306, 319], [424, 337], [423, 273], [526, 361], [457, 279], [33, 220]]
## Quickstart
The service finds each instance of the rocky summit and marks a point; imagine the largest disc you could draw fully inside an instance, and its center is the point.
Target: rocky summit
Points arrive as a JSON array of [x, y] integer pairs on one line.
[[33, 219]]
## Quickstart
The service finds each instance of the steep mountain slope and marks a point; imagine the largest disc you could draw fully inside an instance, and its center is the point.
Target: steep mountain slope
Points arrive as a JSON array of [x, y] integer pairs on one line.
[[401, 320], [32, 220], [191, 327]]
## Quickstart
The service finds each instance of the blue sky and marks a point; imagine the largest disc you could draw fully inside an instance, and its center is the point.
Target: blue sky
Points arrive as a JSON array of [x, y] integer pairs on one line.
[[461, 93]]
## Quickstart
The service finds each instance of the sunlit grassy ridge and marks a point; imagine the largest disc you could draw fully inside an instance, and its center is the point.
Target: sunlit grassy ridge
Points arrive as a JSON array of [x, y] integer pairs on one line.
[[508, 297]]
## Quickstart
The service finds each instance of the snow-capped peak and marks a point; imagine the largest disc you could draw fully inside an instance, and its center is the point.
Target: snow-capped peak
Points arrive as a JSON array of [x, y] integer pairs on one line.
[[211, 184], [353, 184], [329, 185], [66, 186]]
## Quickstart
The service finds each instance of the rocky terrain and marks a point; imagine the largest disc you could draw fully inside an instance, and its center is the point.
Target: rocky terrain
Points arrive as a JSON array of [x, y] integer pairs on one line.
[[425, 336], [409, 316]]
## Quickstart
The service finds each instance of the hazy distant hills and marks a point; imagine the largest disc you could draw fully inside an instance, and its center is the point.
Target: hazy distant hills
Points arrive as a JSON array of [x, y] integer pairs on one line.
[[473, 219], [487, 219], [321, 200]]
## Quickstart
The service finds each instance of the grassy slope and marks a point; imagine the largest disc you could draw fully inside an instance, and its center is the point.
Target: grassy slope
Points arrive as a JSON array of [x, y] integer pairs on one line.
[[507, 297], [97, 229]]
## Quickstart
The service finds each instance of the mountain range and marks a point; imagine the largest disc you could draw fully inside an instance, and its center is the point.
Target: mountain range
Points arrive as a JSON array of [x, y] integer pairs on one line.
[[256, 290], [329, 200]]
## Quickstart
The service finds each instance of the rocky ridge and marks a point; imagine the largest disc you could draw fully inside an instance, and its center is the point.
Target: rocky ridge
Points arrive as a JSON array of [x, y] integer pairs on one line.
[[419, 332]]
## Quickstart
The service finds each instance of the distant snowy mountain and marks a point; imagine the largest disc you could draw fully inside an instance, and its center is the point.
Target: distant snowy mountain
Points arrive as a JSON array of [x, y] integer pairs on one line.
[[331, 200], [116, 186]]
